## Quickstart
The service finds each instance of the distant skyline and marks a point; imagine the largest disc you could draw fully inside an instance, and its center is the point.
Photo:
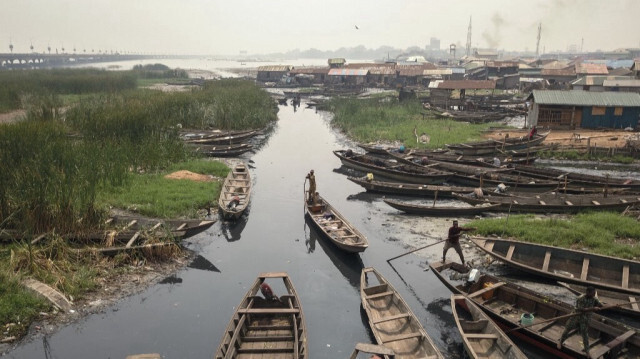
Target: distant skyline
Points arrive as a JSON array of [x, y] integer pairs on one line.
[[212, 27]]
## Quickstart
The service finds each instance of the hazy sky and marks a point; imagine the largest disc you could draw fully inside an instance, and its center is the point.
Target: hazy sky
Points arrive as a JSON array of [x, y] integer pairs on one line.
[[261, 26]]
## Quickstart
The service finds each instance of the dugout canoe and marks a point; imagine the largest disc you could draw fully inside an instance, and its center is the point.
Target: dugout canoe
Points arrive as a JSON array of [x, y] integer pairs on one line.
[[222, 150], [482, 338], [266, 329], [391, 320], [556, 202], [610, 297], [506, 302], [190, 227], [224, 140], [579, 179], [236, 184], [410, 189], [439, 211], [379, 350], [335, 227], [566, 265], [391, 169], [498, 146]]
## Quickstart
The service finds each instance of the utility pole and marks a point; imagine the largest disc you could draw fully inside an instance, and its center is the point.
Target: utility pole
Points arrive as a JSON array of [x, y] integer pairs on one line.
[[538, 42], [11, 45], [469, 38], [582, 45]]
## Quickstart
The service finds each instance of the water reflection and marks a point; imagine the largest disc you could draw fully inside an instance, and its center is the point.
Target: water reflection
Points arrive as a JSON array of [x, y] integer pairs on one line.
[[363, 197], [232, 230], [349, 264], [202, 263], [172, 279]]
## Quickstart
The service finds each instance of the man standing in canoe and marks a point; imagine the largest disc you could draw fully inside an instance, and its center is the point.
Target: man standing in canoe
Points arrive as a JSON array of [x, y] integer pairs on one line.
[[312, 186], [453, 240], [585, 304]]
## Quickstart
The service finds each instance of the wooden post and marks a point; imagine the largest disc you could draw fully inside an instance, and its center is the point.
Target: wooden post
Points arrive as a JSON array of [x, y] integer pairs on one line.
[[435, 197]]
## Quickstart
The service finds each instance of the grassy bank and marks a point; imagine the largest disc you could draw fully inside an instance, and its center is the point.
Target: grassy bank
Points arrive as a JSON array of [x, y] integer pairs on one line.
[[386, 119], [599, 232], [575, 155]]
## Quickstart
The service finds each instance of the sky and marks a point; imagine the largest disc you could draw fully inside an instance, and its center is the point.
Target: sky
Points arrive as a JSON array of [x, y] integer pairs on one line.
[[214, 27]]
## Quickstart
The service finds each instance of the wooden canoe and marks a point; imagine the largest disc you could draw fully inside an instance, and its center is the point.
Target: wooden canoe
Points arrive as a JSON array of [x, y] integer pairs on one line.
[[266, 329], [420, 190], [506, 302], [391, 320], [482, 338], [556, 203], [565, 265], [334, 227], [379, 350], [222, 150], [439, 210], [579, 178], [610, 297], [224, 140], [498, 146], [237, 183], [392, 169], [191, 227]]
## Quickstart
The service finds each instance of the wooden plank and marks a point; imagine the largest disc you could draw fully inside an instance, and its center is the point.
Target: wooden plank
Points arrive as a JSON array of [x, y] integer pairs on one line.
[[613, 344], [487, 289], [374, 349], [269, 311], [568, 203], [379, 295], [273, 275], [234, 337], [296, 344], [542, 202], [634, 303], [131, 224], [595, 202], [396, 338], [489, 246], [547, 259], [55, 297], [510, 251], [480, 336], [585, 268], [181, 227], [390, 317], [133, 239], [268, 338], [625, 276]]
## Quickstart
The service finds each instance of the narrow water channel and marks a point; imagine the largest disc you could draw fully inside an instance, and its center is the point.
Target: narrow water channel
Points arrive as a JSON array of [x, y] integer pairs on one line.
[[185, 315]]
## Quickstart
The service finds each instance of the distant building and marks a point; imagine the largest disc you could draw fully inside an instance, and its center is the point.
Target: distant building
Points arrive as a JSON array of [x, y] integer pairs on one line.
[[434, 44], [272, 73], [597, 83], [635, 69], [486, 54], [336, 63], [583, 109], [348, 76], [314, 75]]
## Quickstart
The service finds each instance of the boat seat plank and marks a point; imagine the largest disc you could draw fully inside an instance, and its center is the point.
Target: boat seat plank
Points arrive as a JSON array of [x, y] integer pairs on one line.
[[379, 295], [480, 336], [625, 276], [568, 203], [613, 344], [396, 338], [512, 248], [595, 202], [634, 303], [542, 202], [547, 259], [487, 289], [269, 311], [236, 333], [585, 268], [390, 317], [268, 338]]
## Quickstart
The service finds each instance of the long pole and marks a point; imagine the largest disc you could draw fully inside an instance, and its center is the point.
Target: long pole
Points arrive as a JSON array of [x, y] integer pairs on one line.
[[415, 250], [566, 316]]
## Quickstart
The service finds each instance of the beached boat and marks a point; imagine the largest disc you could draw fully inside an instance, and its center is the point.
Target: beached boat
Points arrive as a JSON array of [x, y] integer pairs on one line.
[[610, 297], [391, 169], [565, 265], [439, 211], [235, 192], [391, 320], [498, 146], [579, 179], [486, 161], [224, 140], [556, 203], [192, 135], [190, 227], [482, 338], [507, 303], [335, 227], [410, 189], [222, 150], [264, 328]]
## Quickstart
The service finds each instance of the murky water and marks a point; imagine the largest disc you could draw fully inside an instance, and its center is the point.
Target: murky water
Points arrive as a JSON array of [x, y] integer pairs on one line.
[[185, 315]]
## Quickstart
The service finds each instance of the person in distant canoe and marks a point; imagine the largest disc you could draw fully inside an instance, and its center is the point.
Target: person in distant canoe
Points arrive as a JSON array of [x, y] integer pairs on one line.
[[453, 240], [533, 132], [235, 201], [585, 304], [312, 186], [266, 290]]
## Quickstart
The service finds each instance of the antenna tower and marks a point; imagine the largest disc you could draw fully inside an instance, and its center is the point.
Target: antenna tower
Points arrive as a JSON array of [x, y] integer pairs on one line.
[[469, 38], [538, 42]]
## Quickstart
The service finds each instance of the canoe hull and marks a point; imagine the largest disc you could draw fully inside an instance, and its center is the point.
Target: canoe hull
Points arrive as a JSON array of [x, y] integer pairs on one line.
[[335, 228]]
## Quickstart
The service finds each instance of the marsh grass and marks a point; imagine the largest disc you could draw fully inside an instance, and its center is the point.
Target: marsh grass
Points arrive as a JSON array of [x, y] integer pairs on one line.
[[383, 118], [600, 232], [17, 304], [576, 155]]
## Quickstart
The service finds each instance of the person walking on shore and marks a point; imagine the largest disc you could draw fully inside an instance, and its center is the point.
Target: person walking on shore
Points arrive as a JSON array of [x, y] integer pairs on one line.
[[453, 241]]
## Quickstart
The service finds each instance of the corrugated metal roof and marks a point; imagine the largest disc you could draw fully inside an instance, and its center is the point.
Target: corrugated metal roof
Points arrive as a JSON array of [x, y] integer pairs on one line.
[[409, 70], [382, 71], [310, 70], [596, 80], [558, 72], [275, 68], [502, 64], [336, 61], [467, 85], [437, 72], [348, 72], [622, 83], [457, 70], [586, 98], [368, 65], [591, 69]]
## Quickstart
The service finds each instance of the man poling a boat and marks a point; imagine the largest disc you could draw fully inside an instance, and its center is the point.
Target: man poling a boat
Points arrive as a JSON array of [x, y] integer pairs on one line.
[[312, 186], [453, 240], [585, 304]]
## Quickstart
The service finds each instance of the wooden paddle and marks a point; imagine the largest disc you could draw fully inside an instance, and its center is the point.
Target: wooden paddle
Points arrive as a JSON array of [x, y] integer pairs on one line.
[[415, 250], [568, 316]]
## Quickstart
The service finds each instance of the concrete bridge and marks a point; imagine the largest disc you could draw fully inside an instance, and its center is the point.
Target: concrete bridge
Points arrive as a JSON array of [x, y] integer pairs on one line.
[[39, 60]]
